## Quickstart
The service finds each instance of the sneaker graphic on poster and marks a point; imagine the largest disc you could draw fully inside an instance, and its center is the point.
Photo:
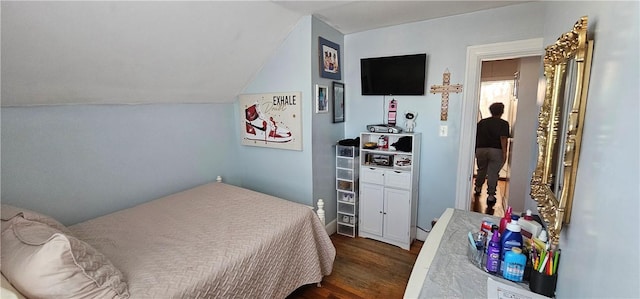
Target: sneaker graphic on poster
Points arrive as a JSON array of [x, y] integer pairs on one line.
[[258, 127]]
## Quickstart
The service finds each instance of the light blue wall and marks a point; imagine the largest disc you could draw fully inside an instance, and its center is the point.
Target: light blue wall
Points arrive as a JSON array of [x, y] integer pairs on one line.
[[283, 173], [78, 162], [600, 246], [325, 132], [445, 41], [301, 176]]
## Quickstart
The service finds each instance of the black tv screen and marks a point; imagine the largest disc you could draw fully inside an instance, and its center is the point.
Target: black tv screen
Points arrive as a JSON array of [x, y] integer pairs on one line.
[[393, 75]]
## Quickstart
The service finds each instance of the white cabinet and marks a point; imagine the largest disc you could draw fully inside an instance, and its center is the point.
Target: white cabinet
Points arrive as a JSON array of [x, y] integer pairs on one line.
[[389, 180], [347, 168]]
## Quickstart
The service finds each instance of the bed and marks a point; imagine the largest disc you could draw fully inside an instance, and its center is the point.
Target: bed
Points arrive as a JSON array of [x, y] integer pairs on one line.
[[212, 241]]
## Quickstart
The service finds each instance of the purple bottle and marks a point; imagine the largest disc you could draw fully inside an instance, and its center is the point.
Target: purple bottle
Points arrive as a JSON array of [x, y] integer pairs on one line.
[[493, 253]]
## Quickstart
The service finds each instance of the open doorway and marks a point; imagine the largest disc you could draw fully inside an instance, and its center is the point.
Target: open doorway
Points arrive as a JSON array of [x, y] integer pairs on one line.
[[529, 52], [498, 84]]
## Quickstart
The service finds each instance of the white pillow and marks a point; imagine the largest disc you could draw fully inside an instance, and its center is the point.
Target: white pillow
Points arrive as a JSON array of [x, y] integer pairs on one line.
[[42, 262], [7, 291], [7, 212]]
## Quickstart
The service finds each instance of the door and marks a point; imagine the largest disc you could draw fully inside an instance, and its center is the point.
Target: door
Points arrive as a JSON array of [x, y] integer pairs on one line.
[[371, 207], [397, 214], [475, 56]]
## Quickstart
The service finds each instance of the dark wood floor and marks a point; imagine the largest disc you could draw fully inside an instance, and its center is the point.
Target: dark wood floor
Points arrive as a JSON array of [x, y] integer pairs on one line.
[[479, 204], [364, 268]]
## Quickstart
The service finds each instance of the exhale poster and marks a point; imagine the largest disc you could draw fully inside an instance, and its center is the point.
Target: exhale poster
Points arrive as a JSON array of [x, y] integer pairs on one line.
[[272, 120]]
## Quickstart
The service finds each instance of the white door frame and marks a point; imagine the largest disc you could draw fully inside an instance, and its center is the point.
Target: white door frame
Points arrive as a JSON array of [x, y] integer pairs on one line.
[[470, 101]]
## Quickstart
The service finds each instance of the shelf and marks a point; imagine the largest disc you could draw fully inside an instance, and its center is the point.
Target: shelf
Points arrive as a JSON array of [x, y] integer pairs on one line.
[[346, 208], [346, 151], [387, 167], [389, 181], [347, 202], [350, 221], [342, 185], [347, 230], [347, 177], [343, 162], [387, 152]]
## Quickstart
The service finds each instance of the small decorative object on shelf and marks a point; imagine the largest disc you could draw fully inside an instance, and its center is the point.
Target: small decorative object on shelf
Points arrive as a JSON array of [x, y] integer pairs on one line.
[[393, 108], [410, 122], [347, 169]]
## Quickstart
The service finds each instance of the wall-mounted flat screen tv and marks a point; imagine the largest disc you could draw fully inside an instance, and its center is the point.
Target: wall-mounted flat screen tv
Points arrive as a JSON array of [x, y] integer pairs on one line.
[[393, 75]]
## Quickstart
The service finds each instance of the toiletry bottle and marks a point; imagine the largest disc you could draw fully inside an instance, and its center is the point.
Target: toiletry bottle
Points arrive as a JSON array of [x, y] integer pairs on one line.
[[381, 141], [511, 238], [505, 220], [514, 263], [494, 230], [493, 253], [530, 227], [543, 236]]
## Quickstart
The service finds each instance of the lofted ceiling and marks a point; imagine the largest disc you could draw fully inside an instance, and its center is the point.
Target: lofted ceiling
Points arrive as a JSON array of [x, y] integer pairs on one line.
[[354, 16], [169, 52]]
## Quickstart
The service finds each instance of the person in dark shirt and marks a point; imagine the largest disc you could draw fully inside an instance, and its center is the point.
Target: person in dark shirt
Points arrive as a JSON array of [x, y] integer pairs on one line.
[[491, 150]]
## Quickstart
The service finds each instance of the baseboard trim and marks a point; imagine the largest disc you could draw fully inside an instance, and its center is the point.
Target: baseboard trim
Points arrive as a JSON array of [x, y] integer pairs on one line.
[[332, 227], [421, 235]]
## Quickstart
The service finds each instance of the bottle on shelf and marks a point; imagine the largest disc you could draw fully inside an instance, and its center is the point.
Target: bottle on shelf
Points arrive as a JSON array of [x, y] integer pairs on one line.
[[493, 253], [514, 264], [511, 238], [530, 227], [505, 220]]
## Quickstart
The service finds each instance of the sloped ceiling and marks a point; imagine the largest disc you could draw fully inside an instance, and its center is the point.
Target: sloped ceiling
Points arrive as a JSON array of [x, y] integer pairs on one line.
[[168, 52]]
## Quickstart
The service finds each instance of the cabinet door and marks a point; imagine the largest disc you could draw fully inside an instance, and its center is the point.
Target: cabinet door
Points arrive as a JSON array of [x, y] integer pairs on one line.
[[371, 207], [397, 207]]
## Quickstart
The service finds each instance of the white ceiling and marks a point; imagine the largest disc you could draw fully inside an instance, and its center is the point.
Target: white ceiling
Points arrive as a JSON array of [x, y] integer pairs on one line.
[[355, 16], [120, 52]]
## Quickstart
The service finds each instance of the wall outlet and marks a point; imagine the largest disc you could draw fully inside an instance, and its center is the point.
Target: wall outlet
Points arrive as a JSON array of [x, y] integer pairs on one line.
[[443, 131]]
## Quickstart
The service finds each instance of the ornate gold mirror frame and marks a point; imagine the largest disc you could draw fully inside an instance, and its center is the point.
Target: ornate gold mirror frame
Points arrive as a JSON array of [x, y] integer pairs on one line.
[[567, 65]]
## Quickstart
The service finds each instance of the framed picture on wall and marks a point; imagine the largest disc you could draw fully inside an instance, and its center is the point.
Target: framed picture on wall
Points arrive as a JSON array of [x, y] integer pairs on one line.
[[271, 120], [322, 99], [338, 102], [330, 60]]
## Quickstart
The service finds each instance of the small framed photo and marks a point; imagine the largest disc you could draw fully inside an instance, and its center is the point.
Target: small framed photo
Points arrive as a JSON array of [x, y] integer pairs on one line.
[[322, 99], [338, 102], [330, 60]]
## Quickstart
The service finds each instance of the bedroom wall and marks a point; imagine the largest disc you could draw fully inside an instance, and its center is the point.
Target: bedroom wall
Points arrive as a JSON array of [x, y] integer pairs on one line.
[[325, 133], [445, 41], [283, 173], [600, 245], [76, 162]]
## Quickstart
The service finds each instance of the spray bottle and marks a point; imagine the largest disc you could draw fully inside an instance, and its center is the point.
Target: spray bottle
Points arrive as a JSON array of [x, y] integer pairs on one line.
[[505, 220]]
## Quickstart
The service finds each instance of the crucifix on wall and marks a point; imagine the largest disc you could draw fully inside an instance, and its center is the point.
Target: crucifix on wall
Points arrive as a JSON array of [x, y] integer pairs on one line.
[[445, 89]]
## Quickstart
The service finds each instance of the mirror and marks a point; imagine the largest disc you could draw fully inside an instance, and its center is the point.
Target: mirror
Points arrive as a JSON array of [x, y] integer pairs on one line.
[[567, 65]]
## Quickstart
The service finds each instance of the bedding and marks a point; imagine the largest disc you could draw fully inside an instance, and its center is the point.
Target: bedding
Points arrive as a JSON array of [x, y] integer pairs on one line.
[[43, 262], [9, 212], [213, 241]]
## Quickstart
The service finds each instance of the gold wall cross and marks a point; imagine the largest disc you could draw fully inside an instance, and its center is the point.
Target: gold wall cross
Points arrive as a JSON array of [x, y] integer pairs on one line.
[[445, 89]]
